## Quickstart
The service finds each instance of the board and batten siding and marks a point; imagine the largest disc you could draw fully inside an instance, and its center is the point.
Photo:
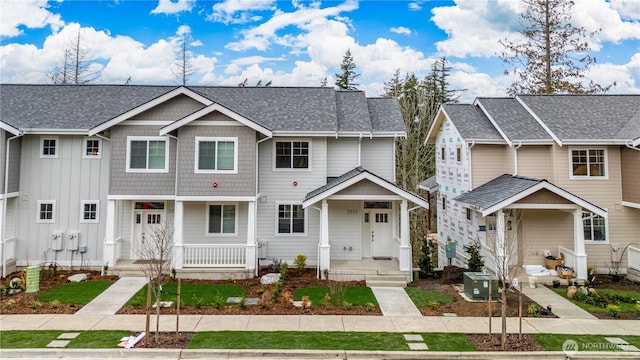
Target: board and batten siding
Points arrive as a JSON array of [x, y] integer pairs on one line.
[[377, 155], [345, 231], [630, 163], [194, 229], [67, 180], [342, 155], [14, 162]]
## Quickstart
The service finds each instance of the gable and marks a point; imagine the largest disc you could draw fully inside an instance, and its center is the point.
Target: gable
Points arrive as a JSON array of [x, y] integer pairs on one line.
[[365, 187], [543, 196], [170, 110]]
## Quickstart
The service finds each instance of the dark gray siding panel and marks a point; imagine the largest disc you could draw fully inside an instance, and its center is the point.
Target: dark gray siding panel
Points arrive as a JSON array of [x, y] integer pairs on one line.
[[14, 165], [243, 183], [124, 183]]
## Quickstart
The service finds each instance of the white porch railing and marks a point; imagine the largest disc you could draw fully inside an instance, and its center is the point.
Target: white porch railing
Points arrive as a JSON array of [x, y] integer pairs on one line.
[[10, 248], [633, 258], [568, 256], [219, 255]]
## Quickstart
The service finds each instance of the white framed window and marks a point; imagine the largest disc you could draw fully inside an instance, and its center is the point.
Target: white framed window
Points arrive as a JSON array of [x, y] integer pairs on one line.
[[595, 227], [216, 155], [290, 154], [291, 219], [468, 214], [92, 148], [147, 154], [222, 219], [89, 211], [588, 163], [46, 212], [49, 147]]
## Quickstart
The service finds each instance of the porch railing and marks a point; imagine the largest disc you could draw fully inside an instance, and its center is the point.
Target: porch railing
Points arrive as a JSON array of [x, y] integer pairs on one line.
[[568, 256], [219, 255], [633, 258], [10, 248]]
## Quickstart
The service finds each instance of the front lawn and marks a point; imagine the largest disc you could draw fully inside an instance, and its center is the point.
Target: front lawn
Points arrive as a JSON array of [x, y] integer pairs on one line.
[[39, 339], [337, 294], [626, 300], [192, 294], [428, 298], [76, 292], [554, 342]]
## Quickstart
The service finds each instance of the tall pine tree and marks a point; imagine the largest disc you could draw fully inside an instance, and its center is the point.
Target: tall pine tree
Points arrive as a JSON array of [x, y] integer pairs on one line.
[[347, 79]]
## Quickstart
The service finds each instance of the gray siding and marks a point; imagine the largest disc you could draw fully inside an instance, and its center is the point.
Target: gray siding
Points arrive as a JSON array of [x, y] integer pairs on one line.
[[124, 183], [342, 155], [365, 187], [171, 110], [14, 162], [345, 231], [243, 183], [377, 156]]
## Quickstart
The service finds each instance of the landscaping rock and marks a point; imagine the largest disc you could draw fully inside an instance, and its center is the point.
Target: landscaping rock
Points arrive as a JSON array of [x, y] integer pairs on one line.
[[571, 291], [271, 278], [77, 278]]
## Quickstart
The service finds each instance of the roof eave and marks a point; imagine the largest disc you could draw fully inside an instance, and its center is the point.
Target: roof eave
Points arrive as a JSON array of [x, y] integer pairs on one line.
[[10, 129]]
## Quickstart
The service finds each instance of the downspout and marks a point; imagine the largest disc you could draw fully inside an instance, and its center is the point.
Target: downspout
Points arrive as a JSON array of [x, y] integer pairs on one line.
[[515, 158], [4, 202], [255, 208]]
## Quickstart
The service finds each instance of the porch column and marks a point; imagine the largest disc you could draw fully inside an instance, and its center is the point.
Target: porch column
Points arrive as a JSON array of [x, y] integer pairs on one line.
[[109, 255], [502, 258], [405, 246], [580, 267], [178, 240], [325, 253], [250, 256]]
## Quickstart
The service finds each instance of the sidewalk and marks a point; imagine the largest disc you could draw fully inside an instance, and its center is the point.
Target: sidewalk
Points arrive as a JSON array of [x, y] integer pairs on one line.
[[560, 306], [112, 299]]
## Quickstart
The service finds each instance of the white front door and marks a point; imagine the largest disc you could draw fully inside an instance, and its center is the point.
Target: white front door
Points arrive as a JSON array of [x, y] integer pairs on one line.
[[381, 233], [145, 223]]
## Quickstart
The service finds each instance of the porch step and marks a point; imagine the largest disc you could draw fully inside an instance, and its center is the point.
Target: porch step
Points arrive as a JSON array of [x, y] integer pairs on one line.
[[386, 280]]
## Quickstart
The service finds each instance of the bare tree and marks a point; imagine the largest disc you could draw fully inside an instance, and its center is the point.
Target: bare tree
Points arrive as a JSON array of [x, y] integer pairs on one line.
[[182, 67], [155, 259], [77, 67]]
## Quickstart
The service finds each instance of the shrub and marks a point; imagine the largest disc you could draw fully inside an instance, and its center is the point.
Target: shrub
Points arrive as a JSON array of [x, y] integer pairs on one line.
[[534, 310], [326, 300], [337, 291], [370, 306], [346, 305], [35, 304], [260, 291], [284, 268], [424, 263], [300, 262], [305, 302], [218, 301], [613, 310], [8, 305], [198, 301], [636, 309], [243, 302], [54, 303]]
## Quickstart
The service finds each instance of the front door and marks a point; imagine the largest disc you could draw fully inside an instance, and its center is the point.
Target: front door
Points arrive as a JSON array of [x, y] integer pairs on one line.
[[145, 224], [381, 233]]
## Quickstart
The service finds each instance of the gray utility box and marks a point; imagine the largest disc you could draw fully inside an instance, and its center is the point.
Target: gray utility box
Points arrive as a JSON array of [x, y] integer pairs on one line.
[[476, 285]]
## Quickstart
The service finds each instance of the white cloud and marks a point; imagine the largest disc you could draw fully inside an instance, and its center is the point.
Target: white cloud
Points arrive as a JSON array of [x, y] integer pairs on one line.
[[250, 60], [169, 7], [239, 11], [30, 13], [401, 30], [628, 9], [415, 5], [599, 15], [626, 76]]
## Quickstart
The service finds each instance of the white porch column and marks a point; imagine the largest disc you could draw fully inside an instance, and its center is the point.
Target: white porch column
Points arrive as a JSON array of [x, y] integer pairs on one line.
[[578, 245], [250, 256], [2, 247], [178, 236], [109, 255], [405, 246], [325, 248], [502, 258]]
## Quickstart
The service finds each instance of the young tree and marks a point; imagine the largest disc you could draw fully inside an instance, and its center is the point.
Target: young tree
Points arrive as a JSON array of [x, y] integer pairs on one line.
[[347, 79], [554, 55], [77, 67], [155, 255]]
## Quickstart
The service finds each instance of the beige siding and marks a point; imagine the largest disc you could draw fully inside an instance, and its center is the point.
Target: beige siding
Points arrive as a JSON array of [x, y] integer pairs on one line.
[[489, 162], [544, 230], [543, 197], [630, 161], [535, 161]]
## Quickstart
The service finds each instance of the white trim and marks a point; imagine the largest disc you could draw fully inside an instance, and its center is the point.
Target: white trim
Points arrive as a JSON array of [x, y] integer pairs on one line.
[[587, 149], [221, 109], [9, 195], [10, 129], [277, 218], [84, 148], [636, 142], [147, 139], [89, 202], [539, 121], [134, 122], [217, 140], [235, 221], [56, 147], [53, 212], [630, 204], [54, 132], [544, 206], [291, 169], [142, 197], [144, 107], [606, 231], [293, 133], [216, 198], [365, 197], [492, 120], [217, 123]]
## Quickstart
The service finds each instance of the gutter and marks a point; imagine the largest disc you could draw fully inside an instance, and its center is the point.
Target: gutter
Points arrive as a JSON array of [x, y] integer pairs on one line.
[[4, 202]]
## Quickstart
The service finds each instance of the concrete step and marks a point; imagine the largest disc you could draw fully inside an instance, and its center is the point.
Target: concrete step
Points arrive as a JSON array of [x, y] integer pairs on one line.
[[386, 283]]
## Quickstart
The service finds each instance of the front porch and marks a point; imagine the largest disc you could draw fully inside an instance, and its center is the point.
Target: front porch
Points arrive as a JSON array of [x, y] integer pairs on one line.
[[375, 272]]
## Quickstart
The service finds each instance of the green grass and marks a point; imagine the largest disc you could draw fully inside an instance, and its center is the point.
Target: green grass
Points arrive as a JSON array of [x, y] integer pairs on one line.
[[427, 298], [192, 294], [553, 342], [40, 339], [75, 293], [324, 340], [624, 307], [355, 295]]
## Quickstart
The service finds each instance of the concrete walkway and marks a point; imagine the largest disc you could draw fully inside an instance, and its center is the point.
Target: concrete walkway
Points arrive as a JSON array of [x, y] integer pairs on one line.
[[560, 306], [394, 301], [112, 299]]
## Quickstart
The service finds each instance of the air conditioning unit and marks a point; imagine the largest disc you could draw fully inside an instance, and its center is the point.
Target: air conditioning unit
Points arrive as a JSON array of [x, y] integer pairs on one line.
[[72, 240], [56, 241]]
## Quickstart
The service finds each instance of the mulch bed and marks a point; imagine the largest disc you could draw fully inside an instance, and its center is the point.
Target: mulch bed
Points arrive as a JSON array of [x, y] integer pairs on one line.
[[166, 340], [486, 342]]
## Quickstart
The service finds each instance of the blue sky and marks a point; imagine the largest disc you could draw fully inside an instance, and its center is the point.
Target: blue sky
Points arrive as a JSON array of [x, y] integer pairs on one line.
[[299, 43]]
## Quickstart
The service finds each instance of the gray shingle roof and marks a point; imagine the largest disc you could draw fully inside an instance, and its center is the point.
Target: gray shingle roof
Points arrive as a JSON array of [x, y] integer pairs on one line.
[[430, 183], [313, 109], [471, 123], [335, 182], [497, 190], [514, 120]]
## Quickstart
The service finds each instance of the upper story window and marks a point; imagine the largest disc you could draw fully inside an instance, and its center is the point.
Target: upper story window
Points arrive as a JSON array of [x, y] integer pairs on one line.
[[92, 148], [588, 163], [443, 154], [221, 219], [89, 212], [147, 154], [594, 227], [49, 147], [216, 155], [46, 211], [291, 219], [292, 154], [459, 153]]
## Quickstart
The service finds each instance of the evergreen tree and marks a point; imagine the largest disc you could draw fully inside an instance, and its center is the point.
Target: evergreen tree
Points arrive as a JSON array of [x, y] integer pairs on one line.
[[347, 79], [554, 55]]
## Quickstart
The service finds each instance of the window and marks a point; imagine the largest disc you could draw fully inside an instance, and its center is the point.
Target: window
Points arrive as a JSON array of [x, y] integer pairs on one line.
[[290, 219], [92, 148], [588, 163], [147, 154], [468, 214], [89, 212], [444, 202], [443, 154], [216, 155], [594, 227], [459, 153], [46, 211], [221, 219], [292, 155], [49, 147]]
